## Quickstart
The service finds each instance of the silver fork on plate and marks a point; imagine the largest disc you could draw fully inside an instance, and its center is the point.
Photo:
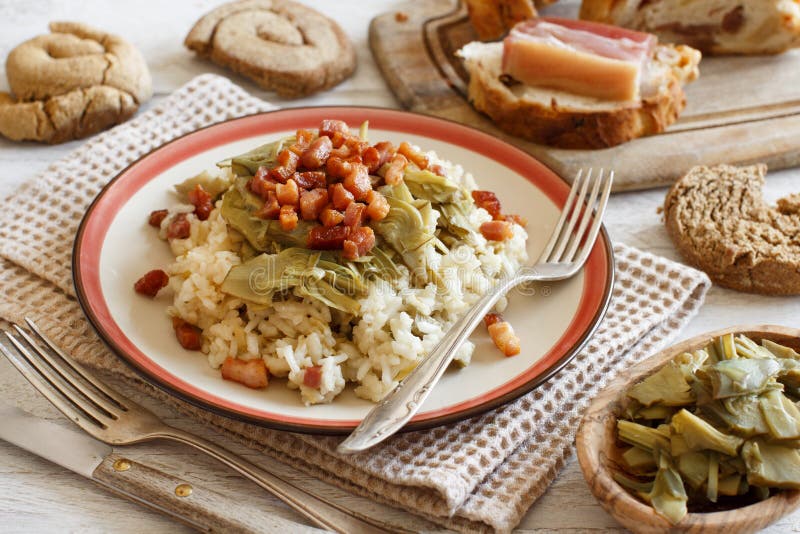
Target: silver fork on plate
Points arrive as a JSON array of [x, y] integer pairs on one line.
[[566, 252], [114, 419]]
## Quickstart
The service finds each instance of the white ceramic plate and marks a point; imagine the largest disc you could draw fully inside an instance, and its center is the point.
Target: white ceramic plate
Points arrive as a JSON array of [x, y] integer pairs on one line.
[[115, 246]]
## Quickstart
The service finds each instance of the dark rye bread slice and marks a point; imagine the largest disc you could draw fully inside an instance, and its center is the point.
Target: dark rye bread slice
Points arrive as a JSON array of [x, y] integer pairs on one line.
[[720, 223]]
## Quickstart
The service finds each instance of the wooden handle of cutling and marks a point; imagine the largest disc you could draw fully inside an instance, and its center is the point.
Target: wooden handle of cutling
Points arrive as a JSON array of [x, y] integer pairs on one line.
[[191, 504]]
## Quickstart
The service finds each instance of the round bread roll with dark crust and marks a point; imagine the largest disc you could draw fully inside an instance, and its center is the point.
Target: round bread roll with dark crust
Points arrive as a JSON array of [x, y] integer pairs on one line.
[[281, 45], [720, 223], [71, 83]]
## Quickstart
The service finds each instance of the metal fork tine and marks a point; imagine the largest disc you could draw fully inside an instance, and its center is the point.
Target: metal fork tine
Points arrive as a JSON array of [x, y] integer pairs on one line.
[[68, 377], [588, 212], [573, 219], [598, 220], [56, 384], [564, 212], [64, 404], [121, 403]]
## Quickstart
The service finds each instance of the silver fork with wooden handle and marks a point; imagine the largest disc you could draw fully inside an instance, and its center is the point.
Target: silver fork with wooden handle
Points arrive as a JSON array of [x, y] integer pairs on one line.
[[114, 419], [568, 249]]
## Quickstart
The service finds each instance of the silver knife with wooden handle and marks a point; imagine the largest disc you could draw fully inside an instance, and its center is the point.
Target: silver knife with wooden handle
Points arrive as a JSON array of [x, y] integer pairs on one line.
[[191, 504]]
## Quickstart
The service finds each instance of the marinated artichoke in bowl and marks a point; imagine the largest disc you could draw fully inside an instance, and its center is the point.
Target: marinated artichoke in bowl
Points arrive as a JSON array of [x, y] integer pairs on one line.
[[713, 429]]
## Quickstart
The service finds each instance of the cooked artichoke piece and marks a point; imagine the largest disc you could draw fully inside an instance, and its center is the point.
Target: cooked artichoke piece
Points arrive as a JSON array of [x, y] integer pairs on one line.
[[666, 386], [689, 362], [726, 347], [700, 435], [780, 351], [632, 484], [432, 187], [747, 348], [712, 485], [781, 415], [655, 412], [642, 436], [771, 465], [730, 485], [265, 155], [743, 416], [730, 378], [264, 276], [237, 210], [668, 495], [639, 460], [693, 467], [678, 445], [363, 131], [404, 230], [213, 185]]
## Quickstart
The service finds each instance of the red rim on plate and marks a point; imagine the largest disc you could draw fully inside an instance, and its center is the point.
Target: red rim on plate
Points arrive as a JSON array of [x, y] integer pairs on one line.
[[596, 294]]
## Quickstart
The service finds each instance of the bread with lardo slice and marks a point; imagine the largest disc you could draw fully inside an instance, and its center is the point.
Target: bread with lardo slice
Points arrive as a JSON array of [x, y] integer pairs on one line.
[[712, 26], [577, 84]]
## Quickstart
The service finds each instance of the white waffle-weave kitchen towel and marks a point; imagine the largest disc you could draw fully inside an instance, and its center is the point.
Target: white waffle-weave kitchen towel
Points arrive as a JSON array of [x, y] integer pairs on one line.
[[477, 475]]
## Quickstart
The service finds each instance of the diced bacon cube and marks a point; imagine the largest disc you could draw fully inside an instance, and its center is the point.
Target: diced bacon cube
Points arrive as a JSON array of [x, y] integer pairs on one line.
[[488, 201], [322, 238], [201, 200], [414, 156], [312, 377], [337, 168], [358, 182], [492, 318], [311, 179], [358, 243], [251, 373], [394, 174], [378, 207], [151, 283], [187, 334], [288, 159], [341, 197], [179, 227], [156, 217], [497, 230], [317, 153], [331, 217], [331, 126], [288, 218], [271, 208], [288, 194], [517, 219], [504, 338], [280, 173], [354, 214], [312, 203]]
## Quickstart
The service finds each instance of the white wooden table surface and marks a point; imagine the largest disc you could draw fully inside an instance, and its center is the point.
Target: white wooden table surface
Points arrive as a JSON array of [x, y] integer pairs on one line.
[[36, 496]]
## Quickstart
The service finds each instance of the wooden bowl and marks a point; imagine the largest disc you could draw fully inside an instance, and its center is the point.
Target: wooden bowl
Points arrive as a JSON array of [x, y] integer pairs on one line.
[[598, 452]]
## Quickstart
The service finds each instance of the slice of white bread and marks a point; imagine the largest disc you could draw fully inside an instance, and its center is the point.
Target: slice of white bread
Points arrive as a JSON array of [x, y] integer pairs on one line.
[[712, 26], [566, 120]]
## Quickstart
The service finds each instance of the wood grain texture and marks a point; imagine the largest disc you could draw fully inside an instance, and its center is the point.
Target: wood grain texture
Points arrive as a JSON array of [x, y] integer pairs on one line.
[[38, 496], [598, 453], [757, 119], [191, 504]]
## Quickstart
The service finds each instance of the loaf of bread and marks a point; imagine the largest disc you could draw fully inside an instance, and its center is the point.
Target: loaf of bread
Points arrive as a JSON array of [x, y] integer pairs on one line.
[[558, 118], [712, 26], [720, 223]]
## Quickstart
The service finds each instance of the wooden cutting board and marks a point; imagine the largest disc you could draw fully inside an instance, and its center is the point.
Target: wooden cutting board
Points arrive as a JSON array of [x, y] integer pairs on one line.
[[741, 109]]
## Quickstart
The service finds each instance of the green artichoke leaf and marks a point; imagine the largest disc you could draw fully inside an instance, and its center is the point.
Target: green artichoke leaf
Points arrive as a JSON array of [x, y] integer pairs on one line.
[[667, 386], [655, 412], [265, 155], [213, 185], [700, 435], [237, 209], [642, 436], [631, 483], [404, 230], [730, 378], [639, 460], [781, 415], [743, 415], [260, 278], [780, 351], [668, 496], [693, 467], [730, 485], [770, 465], [712, 485], [320, 289], [432, 187]]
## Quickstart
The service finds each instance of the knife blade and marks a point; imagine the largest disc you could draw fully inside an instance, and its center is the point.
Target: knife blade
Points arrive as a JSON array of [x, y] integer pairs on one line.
[[193, 505]]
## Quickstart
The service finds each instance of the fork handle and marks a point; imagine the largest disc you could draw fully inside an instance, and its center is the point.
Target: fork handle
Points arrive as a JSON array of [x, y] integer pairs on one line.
[[400, 405], [321, 512]]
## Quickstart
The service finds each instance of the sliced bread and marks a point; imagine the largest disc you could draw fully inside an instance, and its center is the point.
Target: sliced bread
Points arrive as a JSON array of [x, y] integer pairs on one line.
[[712, 26], [720, 223], [567, 120]]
